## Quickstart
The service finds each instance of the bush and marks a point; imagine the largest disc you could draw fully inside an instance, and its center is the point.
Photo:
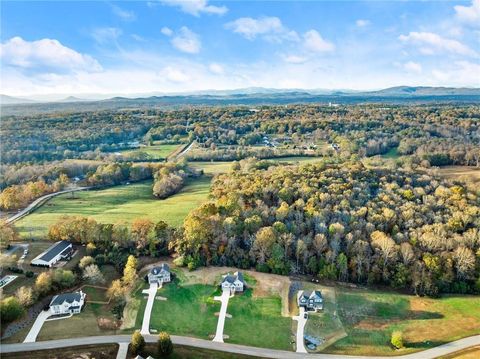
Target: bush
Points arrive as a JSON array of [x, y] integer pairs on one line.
[[29, 274], [15, 270], [164, 345], [137, 344], [397, 339], [10, 309]]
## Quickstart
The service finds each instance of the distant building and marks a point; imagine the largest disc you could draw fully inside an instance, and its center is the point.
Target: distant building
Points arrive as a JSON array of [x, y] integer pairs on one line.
[[67, 303], [160, 274], [234, 282], [61, 250], [310, 300]]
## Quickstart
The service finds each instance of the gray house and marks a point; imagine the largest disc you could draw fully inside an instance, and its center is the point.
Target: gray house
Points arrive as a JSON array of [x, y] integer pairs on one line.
[[310, 300], [234, 282], [160, 274]]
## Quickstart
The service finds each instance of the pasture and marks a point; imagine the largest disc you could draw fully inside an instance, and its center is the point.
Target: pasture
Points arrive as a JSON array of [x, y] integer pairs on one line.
[[155, 152], [117, 204]]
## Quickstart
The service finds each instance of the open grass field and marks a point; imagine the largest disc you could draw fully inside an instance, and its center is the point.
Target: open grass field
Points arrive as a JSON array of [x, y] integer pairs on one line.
[[189, 310], [155, 152], [116, 204], [369, 318], [461, 173], [257, 321], [392, 153]]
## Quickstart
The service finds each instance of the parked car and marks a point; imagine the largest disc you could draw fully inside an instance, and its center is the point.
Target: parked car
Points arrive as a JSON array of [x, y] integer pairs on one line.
[[305, 315]]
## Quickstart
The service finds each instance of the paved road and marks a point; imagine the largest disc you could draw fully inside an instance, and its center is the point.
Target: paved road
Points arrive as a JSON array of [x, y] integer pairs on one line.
[[40, 201], [233, 348], [221, 317], [188, 148], [302, 321], [37, 326], [152, 291]]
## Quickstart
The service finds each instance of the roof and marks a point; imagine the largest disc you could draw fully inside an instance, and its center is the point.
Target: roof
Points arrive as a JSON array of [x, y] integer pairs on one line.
[[54, 251], [231, 278], [159, 269], [66, 297], [308, 294]]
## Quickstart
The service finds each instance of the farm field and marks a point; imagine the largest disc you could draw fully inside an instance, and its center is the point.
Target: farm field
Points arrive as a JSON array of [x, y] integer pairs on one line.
[[155, 152], [369, 318], [115, 204]]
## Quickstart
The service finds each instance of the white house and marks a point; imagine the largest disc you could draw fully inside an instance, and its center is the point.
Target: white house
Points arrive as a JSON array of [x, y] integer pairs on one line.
[[67, 303], [310, 300], [61, 250], [234, 282], [159, 274]]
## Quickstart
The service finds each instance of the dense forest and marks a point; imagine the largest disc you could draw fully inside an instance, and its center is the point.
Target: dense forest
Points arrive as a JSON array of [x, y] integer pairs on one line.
[[340, 222]]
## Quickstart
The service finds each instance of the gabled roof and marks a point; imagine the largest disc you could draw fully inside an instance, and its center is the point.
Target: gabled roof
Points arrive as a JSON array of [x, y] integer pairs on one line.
[[232, 278], [54, 251], [308, 294], [162, 268], [66, 297]]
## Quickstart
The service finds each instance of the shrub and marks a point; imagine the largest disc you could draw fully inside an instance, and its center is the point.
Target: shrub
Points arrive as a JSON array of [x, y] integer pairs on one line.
[[29, 274], [137, 344], [164, 345], [397, 339]]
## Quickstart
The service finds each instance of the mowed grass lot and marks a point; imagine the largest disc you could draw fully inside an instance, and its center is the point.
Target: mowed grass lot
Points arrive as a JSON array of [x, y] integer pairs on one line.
[[369, 318], [257, 321], [189, 310], [117, 204], [155, 152]]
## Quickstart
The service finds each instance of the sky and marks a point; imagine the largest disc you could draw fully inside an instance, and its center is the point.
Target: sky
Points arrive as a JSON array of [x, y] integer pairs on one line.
[[165, 46]]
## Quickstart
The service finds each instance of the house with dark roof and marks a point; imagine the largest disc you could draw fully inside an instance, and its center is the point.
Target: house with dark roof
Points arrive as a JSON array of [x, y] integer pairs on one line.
[[310, 300], [160, 274], [67, 303], [234, 282], [61, 250]]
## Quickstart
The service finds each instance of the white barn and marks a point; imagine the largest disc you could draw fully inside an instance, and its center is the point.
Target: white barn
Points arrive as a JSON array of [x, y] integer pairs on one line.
[[67, 303], [61, 250]]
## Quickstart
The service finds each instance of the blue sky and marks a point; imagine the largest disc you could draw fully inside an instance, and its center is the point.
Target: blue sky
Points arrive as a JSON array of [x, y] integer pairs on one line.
[[139, 47]]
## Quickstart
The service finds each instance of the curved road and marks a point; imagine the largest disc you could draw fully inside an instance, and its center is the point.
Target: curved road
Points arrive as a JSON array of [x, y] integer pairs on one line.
[[233, 348], [40, 201]]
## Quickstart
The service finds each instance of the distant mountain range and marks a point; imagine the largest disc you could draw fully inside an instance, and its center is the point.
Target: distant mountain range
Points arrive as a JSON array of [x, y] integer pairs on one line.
[[249, 96]]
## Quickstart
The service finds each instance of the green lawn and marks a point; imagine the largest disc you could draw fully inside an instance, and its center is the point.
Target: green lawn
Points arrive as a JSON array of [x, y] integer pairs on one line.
[[392, 153], [189, 310], [257, 321], [369, 318], [116, 204], [155, 152]]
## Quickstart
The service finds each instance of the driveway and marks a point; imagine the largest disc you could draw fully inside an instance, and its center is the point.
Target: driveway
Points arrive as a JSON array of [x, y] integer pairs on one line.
[[221, 317], [152, 291], [37, 326], [300, 330], [122, 350]]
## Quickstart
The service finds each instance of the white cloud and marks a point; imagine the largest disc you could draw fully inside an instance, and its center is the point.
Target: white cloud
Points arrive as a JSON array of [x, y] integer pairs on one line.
[[469, 14], [362, 22], [187, 41], [47, 55], [166, 31], [175, 75], [430, 43], [314, 42], [196, 7], [123, 14], [104, 35], [411, 66], [462, 73], [270, 28], [216, 69], [295, 59]]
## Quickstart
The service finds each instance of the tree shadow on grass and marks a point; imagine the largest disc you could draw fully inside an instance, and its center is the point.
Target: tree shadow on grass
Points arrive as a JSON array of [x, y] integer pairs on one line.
[[427, 344]]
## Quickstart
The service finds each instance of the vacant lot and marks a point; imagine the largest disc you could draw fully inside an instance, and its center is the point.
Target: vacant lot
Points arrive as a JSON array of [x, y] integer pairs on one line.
[[461, 173], [104, 351], [369, 318], [120, 203]]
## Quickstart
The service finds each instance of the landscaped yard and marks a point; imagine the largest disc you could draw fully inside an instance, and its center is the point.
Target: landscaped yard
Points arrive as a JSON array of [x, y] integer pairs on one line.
[[115, 204], [189, 310], [257, 321], [370, 317]]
